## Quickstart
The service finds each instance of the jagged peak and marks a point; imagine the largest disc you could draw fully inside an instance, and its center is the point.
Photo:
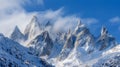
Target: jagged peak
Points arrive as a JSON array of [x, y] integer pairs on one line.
[[105, 40], [33, 28], [16, 29], [105, 35], [45, 33], [79, 22], [79, 27], [104, 31], [34, 19], [17, 35]]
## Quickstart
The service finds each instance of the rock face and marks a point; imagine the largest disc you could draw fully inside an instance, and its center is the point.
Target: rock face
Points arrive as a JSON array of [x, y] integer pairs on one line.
[[79, 28], [105, 40], [12, 54], [68, 46], [42, 44], [33, 28], [17, 35], [84, 38]]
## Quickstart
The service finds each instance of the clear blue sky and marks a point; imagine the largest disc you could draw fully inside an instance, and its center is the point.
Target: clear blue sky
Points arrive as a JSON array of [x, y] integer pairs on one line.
[[103, 10]]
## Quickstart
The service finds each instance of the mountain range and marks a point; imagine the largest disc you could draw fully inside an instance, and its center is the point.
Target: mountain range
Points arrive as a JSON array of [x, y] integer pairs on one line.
[[41, 46]]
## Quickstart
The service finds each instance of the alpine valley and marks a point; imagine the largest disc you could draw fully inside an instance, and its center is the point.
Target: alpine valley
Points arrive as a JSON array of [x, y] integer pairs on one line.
[[40, 46]]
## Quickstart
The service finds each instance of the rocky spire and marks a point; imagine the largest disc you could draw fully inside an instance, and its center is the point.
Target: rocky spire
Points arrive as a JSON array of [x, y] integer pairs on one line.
[[80, 27], [32, 29], [17, 35], [104, 31], [16, 29], [68, 47], [44, 42], [34, 19], [79, 22], [105, 40]]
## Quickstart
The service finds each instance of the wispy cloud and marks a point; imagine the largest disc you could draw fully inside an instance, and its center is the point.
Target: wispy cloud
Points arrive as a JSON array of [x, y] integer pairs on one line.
[[89, 21], [20, 19], [62, 22], [9, 7], [12, 13], [66, 23], [115, 19]]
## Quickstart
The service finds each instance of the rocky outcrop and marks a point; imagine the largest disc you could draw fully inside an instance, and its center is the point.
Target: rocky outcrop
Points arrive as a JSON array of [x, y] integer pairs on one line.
[[17, 35], [42, 44], [105, 40], [32, 29]]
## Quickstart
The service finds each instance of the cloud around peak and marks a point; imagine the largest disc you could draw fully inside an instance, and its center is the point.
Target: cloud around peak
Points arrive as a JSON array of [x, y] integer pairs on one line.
[[13, 13]]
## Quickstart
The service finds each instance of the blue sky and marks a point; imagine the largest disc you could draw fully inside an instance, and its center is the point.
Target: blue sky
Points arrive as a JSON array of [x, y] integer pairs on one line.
[[103, 12]]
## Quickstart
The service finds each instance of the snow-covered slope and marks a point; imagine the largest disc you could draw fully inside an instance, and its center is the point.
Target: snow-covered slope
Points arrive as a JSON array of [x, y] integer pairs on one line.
[[12, 54], [111, 58]]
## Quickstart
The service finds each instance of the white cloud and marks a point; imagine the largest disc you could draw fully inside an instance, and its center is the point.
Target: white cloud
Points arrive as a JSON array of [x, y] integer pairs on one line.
[[89, 21], [115, 19], [9, 7], [59, 21], [66, 23], [54, 14], [63, 22], [20, 19], [12, 13], [70, 22]]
